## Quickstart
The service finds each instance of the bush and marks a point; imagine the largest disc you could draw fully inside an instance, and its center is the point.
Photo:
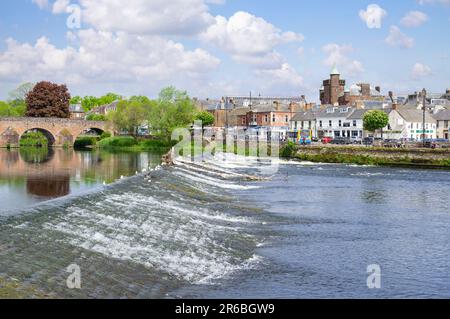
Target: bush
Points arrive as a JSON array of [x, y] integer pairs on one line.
[[288, 150], [85, 141], [96, 117], [117, 141], [105, 135], [33, 139]]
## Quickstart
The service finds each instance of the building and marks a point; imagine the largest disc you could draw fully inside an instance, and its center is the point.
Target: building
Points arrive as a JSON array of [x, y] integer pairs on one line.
[[104, 109], [230, 102], [334, 91], [305, 120], [405, 123], [77, 112], [275, 117], [442, 119], [334, 122]]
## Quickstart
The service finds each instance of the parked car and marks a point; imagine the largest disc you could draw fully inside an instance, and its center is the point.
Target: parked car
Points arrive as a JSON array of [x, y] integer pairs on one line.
[[327, 140], [341, 141], [393, 143], [356, 140], [368, 141]]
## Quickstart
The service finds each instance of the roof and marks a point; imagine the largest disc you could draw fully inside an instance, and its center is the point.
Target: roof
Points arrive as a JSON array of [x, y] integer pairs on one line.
[[415, 116], [334, 71], [443, 115], [76, 108], [304, 116], [359, 114], [265, 108], [337, 112], [239, 111]]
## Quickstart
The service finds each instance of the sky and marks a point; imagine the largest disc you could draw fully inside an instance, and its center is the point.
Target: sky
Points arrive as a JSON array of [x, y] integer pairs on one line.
[[215, 48]]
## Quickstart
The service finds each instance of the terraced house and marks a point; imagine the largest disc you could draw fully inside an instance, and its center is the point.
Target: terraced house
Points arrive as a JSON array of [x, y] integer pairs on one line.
[[442, 119]]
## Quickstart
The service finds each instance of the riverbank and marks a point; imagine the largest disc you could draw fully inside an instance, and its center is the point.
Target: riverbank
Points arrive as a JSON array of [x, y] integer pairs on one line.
[[423, 158], [13, 289]]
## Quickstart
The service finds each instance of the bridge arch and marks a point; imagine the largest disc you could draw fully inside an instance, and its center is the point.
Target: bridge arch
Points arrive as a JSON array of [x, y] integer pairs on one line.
[[49, 135]]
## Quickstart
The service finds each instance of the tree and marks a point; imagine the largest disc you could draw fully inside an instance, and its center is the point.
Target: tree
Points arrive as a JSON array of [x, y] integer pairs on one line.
[[206, 118], [19, 94], [129, 116], [76, 100], [96, 117], [375, 120], [8, 110], [174, 109], [48, 100]]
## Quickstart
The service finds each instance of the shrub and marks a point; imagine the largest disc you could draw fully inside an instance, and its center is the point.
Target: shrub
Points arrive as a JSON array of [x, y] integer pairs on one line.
[[33, 139], [117, 141], [85, 141], [105, 135], [288, 150]]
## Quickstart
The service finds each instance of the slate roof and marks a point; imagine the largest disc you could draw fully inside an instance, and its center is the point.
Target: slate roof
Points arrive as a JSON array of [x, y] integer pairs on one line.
[[443, 115], [415, 116]]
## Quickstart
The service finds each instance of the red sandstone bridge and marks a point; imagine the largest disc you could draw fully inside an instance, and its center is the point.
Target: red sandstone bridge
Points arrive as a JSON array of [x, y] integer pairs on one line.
[[58, 131]]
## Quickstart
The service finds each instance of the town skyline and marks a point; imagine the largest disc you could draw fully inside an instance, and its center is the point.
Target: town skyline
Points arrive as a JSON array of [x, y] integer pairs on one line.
[[224, 47]]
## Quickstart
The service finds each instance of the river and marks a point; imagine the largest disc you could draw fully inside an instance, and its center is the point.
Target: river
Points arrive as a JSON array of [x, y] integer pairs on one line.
[[205, 231]]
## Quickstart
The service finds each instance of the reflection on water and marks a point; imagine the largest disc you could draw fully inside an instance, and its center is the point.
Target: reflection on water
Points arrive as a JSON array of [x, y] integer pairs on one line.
[[32, 175]]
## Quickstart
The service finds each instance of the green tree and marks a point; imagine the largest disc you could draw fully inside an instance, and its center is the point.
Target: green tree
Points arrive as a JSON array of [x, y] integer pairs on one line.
[[76, 100], [375, 120], [96, 117], [20, 93], [206, 118], [129, 116], [174, 109]]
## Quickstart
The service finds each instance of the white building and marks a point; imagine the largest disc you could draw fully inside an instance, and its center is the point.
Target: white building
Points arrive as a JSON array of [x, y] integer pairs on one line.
[[408, 124], [336, 122]]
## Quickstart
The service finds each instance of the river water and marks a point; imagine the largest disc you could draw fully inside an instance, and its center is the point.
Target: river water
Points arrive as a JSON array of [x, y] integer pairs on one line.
[[206, 231]]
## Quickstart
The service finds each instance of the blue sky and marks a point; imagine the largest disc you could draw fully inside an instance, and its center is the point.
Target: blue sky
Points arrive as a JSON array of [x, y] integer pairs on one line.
[[221, 47]]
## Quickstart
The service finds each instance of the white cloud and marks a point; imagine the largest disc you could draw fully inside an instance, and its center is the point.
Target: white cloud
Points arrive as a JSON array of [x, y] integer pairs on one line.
[[420, 70], [373, 16], [281, 79], [338, 55], [424, 2], [161, 17], [104, 57], [397, 38], [60, 6], [248, 38], [41, 3], [414, 19]]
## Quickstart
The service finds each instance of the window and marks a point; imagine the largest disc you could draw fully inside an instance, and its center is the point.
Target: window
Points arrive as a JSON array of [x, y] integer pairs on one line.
[[320, 123], [347, 124], [354, 123], [330, 123], [274, 119], [310, 125], [286, 119], [266, 118], [445, 124], [340, 123], [243, 121]]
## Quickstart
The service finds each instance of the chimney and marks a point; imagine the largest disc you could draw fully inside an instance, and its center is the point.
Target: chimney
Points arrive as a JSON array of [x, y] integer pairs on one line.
[[277, 105], [394, 106]]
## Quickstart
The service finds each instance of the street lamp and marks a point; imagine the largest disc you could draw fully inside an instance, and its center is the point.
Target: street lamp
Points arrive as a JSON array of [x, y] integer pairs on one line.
[[424, 96]]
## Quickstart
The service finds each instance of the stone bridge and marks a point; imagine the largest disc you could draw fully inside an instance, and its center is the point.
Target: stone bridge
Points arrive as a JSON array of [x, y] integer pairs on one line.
[[59, 132]]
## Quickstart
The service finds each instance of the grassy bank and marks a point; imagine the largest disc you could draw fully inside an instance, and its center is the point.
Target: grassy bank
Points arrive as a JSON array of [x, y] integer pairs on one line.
[[426, 158], [131, 144]]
